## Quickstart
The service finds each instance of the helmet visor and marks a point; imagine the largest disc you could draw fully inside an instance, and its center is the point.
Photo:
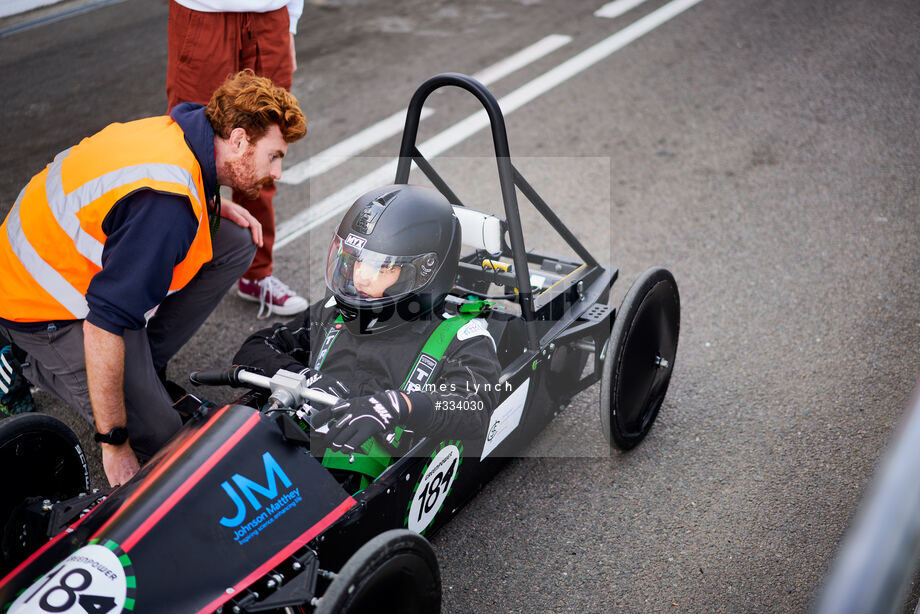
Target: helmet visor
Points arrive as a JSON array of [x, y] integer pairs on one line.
[[361, 274]]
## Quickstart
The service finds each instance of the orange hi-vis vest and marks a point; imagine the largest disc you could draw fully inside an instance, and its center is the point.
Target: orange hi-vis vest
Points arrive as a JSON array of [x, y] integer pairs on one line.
[[51, 242]]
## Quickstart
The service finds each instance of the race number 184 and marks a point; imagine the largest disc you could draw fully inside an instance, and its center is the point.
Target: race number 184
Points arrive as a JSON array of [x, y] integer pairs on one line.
[[431, 494], [63, 589]]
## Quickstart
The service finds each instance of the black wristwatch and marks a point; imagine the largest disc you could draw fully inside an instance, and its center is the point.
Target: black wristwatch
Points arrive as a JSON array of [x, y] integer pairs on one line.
[[115, 437]]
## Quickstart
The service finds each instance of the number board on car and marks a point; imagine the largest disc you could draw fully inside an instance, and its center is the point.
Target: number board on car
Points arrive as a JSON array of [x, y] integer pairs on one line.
[[432, 489]]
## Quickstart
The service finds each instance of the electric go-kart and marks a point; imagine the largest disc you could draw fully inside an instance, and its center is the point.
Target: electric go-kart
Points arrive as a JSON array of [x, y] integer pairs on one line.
[[237, 514]]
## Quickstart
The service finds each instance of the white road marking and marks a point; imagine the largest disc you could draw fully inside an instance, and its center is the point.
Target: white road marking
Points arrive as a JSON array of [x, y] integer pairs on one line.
[[614, 9], [55, 15], [392, 125], [332, 205], [13, 7], [343, 198], [345, 150], [522, 58]]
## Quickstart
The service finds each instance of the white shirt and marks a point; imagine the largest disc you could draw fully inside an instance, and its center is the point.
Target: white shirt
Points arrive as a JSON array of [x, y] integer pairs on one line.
[[294, 7]]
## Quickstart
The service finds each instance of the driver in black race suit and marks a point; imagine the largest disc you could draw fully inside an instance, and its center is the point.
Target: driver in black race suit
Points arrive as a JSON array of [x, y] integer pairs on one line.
[[382, 341]]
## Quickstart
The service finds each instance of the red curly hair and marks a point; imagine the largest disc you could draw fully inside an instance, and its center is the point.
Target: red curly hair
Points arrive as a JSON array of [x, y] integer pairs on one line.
[[254, 104]]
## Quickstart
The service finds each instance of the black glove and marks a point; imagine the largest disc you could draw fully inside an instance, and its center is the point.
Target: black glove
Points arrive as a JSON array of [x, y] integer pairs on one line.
[[360, 418], [326, 383]]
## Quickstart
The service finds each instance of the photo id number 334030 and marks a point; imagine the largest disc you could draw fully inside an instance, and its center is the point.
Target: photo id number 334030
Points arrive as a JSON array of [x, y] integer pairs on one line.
[[459, 405]]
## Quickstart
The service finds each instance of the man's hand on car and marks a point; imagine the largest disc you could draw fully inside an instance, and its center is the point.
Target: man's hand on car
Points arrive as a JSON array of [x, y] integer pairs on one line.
[[119, 463], [356, 420]]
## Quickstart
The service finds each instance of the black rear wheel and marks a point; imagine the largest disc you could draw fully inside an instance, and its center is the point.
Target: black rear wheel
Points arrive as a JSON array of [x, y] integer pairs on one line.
[[394, 573], [40, 458], [640, 358]]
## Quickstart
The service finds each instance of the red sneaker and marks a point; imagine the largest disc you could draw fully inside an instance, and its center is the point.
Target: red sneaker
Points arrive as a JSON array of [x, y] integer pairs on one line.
[[272, 295]]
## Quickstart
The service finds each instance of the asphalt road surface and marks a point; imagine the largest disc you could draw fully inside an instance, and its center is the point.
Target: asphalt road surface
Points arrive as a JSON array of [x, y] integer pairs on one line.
[[766, 152]]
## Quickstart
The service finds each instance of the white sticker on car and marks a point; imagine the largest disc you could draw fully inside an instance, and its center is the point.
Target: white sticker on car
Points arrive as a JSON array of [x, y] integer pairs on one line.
[[505, 418], [92, 579], [433, 488]]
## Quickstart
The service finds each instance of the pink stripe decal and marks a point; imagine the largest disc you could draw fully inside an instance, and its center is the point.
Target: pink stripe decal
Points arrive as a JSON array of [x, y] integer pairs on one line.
[[287, 551], [132, 498], [149, 480], [193, 479]]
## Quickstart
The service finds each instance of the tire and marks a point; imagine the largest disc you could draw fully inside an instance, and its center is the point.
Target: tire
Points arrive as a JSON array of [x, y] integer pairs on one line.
[[640, 358], [40, 458], [396, 572]]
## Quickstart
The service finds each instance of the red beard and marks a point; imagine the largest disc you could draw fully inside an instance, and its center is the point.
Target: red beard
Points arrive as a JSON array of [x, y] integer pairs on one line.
[[242, 176]]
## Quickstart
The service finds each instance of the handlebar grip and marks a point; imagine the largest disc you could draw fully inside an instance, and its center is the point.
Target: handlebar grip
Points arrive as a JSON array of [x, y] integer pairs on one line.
[[319, 397], [228, 376]]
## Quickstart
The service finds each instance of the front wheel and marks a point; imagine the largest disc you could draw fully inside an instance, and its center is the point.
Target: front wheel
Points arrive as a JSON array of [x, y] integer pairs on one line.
[[394, 573], [40, 458], [640, 358]]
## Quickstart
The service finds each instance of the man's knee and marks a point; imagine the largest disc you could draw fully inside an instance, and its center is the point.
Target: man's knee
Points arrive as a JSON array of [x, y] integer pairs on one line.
[[54, 362], [233, 247]]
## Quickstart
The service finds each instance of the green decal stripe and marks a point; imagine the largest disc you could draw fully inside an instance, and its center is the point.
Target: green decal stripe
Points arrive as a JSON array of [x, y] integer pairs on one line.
[[94, 541], [128, 566], [397, 431]]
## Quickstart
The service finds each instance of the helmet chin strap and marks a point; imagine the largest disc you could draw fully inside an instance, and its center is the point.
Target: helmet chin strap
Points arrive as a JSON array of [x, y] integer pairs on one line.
[[347, 312], [354, 318], [350, 314]]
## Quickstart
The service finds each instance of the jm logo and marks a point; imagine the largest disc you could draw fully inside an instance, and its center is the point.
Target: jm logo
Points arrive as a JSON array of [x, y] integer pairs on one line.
[[250, 488]]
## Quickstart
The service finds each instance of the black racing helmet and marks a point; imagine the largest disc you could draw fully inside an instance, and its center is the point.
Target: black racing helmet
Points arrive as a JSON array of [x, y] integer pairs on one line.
[[393, 258]]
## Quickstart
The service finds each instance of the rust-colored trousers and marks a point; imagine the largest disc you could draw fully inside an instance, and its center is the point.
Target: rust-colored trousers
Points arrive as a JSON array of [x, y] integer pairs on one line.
[[205, 49]]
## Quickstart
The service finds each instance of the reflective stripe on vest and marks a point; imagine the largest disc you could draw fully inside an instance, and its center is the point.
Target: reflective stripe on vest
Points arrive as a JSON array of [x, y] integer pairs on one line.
[[62, 261], [72, 299], [66, 206]]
